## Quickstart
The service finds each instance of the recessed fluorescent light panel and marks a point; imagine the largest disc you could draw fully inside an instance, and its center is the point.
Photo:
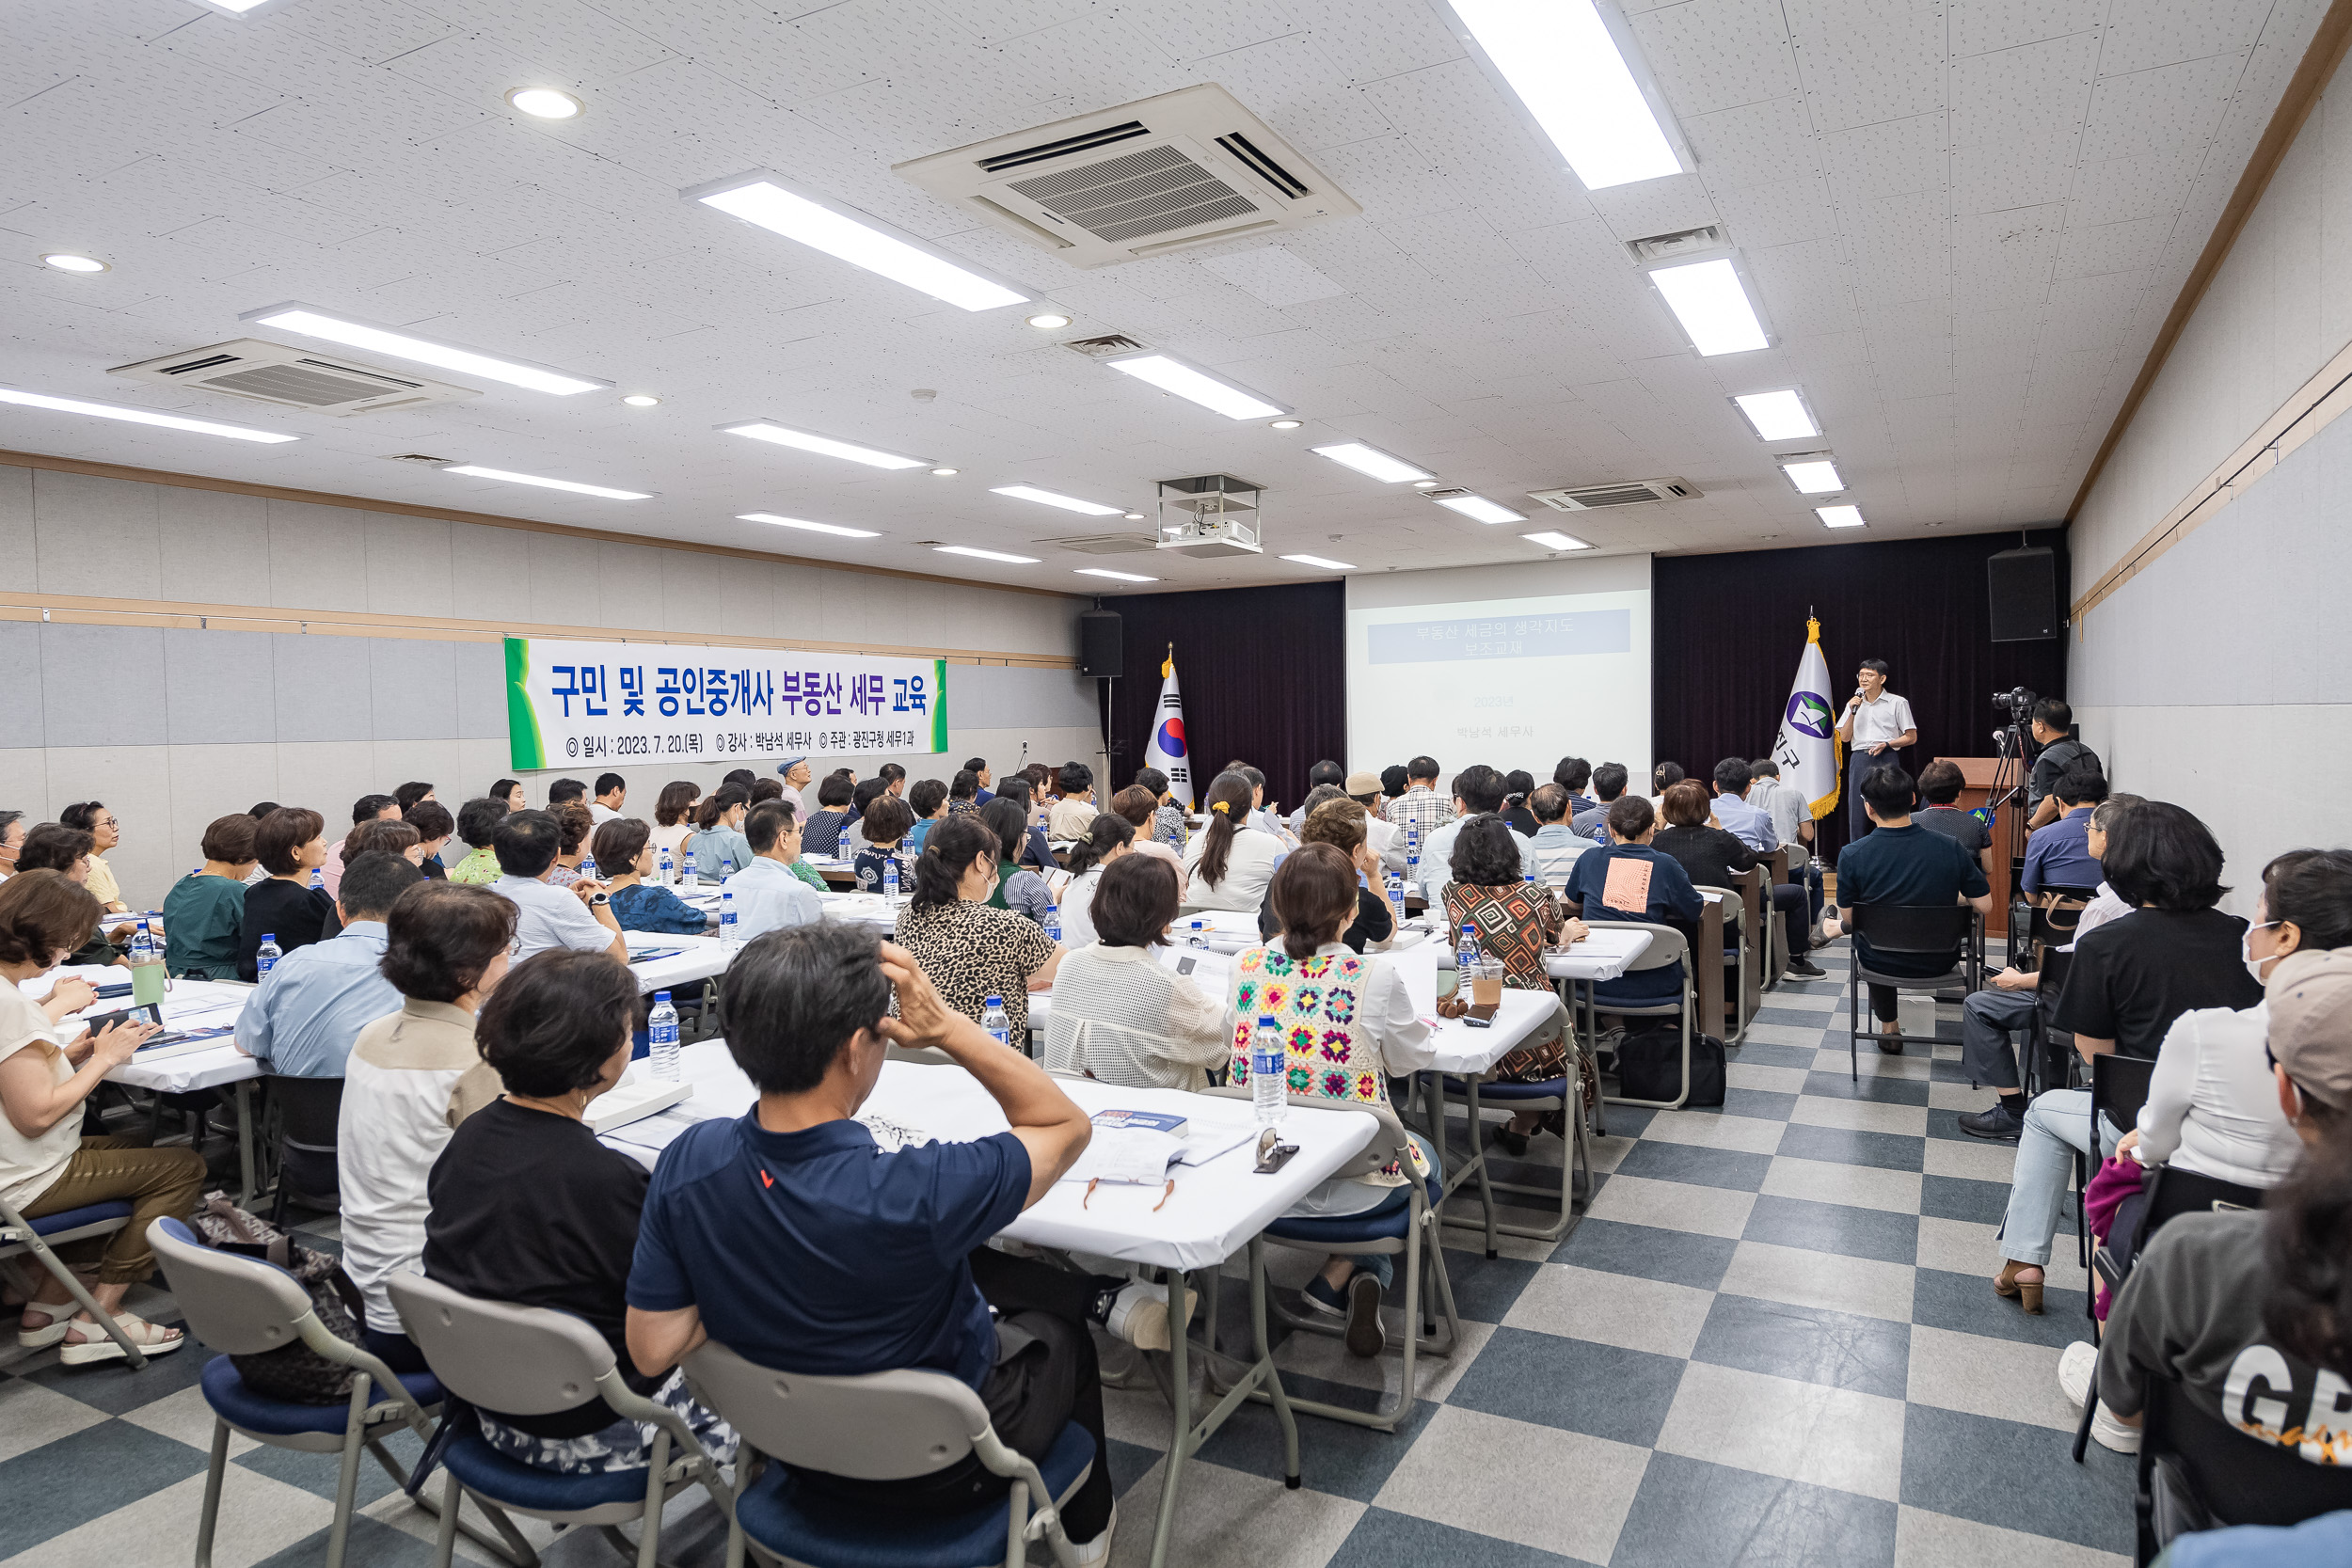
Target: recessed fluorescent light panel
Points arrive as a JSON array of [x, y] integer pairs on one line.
[[473, 471], [1479, 509], [775, 204], [1371, 462], [139, 416], [1047, 497], [1814, 476], [1195, 386], [1115, 577], [1328, 565], [824, 446], [399, 344], [1556, 540], [1713, 305], [1778, 416], [1840, 516], [233, 7], [1573, 76], [979, 554], [803, 522]]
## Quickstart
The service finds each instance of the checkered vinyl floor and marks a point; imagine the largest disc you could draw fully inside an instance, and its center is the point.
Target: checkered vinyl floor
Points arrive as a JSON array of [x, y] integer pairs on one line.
[[1772, 1340]]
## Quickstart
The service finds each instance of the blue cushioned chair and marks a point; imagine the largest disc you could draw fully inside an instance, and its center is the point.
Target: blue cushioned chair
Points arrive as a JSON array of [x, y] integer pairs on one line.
[[37, 1237], [531, 1361], [882, 1426], [244, 1307]]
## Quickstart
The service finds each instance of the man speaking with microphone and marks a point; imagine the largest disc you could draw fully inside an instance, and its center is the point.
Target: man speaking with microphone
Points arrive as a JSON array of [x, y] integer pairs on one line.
[[1876, 723]]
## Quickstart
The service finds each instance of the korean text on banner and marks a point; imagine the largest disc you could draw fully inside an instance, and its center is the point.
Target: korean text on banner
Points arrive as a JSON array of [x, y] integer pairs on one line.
[[611, 702]]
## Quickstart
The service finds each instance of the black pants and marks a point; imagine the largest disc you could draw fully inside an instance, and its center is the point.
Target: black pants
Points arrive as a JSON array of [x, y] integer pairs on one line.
[[396, 1350], [1789, 899]]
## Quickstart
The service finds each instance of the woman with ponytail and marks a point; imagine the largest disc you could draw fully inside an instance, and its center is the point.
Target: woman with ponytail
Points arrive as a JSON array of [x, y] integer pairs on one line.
[[969, 950], [719, 847], [1232, 860], [1109, 837]]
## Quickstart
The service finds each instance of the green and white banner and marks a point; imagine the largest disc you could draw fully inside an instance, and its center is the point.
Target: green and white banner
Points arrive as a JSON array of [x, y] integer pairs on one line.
[[610, 703]]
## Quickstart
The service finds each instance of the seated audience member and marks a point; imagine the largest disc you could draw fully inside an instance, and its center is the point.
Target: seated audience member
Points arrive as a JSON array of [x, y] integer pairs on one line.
[[477, 829], [624, 853], [579, 916], [1517, 925], [2057, 855], [204, 911], [1517, 785], [1988, 1017], [719, 848], [1341, 823], [1035, 853], [566, 789], [106, 832], [673, 821], [1118, 1015], [1365, 1031], [12, 830], [1572, 774], [1169, 826], [1110, 838], [794, 771], [301, 1021], [822, 833], [412, 1076], [1478, 791], [367, 808], [927, 800], [524, 1206], [1323, 775], [895, 776], [1790, 812], [1609, 783], [964, 793], [969, 948], [767, 789], [1903, 864], [259, 810], [1067, 822], [1940, 784], [888, 821], [792, 1238], [853, 830], [611, 789], [55, 846], [1662, 778], [387, 836], [573, 826], [290, 843], [410, 793], [1552, 853], [2245, 1308], [46, 1166], [434, 828], [1736, 811], [1669, 899], [983, 780], [1712, 855], [1394, 782], [1386, 838], [2130, 979], [768, 896], [510, 794], [1232, 861], [1143, 809], [1018, 888], [1420, 806]]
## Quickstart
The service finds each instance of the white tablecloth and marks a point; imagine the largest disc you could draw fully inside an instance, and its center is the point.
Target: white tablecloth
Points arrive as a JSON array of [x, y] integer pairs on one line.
[[1213, 1212], [187, 1004], [701, 957], [1602, 956]]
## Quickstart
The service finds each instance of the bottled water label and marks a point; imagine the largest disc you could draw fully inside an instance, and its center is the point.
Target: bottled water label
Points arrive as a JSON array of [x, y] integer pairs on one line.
[[993, 1019], [1269, 1073], [726, 918], [666, 874], [266, 957], [1053, 924], [318, 878], [1467, 956], [587, 868], [890, 877], [661, 1032]]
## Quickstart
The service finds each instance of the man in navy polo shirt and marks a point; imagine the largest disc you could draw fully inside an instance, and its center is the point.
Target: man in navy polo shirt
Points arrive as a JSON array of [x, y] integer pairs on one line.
[[2058, 853], [1902, 863], [792, 1238]]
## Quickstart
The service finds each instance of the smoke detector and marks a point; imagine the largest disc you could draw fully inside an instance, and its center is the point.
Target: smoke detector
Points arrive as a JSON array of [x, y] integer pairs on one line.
[[1184, 168], [1631, 492], [294, 378]]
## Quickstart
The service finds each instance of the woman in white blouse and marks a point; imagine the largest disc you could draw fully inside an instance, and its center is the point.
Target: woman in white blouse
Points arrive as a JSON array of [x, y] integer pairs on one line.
[[1108, 838], [2213, 1104], [1119, 1016], [1231, 861]]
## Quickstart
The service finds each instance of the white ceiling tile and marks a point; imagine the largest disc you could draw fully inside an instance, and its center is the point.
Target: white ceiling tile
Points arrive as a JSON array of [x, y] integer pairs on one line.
[[1980, 26], [2169, 109], [1899, 157], [2149, 33], [1715, 54], [1864, 62]]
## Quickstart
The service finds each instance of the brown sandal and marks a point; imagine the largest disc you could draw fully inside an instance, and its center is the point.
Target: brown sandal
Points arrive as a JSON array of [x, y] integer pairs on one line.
[[2025, 1293]]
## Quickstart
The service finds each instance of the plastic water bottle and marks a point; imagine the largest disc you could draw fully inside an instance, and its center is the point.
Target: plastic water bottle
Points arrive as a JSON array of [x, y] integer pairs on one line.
[[1412, 838], [1053, 924], [1196, 934], [993, 1018], [663, 873], [587, 868], [1269, 1072], [1466, 957], [265, 957], [1397, 901], [890, 879], [318, 879], [661, 1029], [726, 921]]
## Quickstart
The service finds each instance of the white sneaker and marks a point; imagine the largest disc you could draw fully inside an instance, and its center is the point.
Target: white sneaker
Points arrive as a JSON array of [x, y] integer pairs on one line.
[[1099, 1549], [2075, 1369], [1139, 1316]]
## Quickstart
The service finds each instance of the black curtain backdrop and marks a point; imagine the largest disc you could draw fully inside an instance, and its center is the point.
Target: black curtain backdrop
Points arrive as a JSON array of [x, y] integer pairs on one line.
[[1728, 630], [1264, 672]]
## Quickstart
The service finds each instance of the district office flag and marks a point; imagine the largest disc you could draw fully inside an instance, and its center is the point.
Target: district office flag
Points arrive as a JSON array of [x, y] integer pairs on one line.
[[1806, 747], [1166, 750]]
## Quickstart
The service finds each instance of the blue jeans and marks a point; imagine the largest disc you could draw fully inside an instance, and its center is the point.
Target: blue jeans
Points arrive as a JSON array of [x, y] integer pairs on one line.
[[2057, 1127]]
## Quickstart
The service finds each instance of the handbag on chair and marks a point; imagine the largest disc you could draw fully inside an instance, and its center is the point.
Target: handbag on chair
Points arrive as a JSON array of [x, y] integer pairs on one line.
[[294, 1372]]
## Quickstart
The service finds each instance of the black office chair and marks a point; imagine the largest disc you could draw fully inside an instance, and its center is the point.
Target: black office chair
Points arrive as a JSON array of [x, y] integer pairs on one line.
[[307, 1110], [2118, 1087], [2198, 1472], [2036, 1058], [1928, 931]]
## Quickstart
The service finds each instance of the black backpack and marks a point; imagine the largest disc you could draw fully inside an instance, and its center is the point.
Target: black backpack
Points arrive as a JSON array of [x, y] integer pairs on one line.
[[1649, 1066]]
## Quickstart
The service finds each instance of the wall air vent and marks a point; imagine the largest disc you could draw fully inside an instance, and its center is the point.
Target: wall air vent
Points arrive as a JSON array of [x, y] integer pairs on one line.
[[1632, 492], [292, 378], [1184, 168]]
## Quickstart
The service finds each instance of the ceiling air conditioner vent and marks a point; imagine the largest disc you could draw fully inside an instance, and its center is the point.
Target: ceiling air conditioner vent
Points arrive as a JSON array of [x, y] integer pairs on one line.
[[292, 378], [1106, 543], [1632, 492], [1103, 348], [1184, 168]]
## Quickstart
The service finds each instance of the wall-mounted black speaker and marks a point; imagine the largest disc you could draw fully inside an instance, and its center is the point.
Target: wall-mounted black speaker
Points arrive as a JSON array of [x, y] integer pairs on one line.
[[2022, 586], [1101, 649]]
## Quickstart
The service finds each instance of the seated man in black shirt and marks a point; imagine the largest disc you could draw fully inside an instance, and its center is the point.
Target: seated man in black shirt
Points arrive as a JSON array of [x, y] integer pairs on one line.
[[1903, 864]]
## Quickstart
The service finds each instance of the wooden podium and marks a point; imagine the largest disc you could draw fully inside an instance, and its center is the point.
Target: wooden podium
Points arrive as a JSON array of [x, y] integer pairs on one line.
[[1977, 775]]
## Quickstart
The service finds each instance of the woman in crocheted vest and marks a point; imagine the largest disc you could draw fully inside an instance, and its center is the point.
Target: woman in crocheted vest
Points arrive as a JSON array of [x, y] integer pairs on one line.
[[1349, 1027]]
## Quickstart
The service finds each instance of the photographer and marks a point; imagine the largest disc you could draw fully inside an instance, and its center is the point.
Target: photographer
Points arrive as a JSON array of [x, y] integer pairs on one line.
[[2054, 732]]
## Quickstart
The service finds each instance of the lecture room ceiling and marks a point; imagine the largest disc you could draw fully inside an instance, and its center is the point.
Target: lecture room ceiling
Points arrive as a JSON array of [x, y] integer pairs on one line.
[[1963, 222]]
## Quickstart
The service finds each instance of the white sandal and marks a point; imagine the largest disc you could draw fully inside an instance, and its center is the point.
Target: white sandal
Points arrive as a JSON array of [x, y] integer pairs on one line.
[[148, 1337], [60, 1319]]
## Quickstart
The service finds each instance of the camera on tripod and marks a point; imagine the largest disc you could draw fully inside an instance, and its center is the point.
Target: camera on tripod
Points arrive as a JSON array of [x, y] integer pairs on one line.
[[2016, 702]]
